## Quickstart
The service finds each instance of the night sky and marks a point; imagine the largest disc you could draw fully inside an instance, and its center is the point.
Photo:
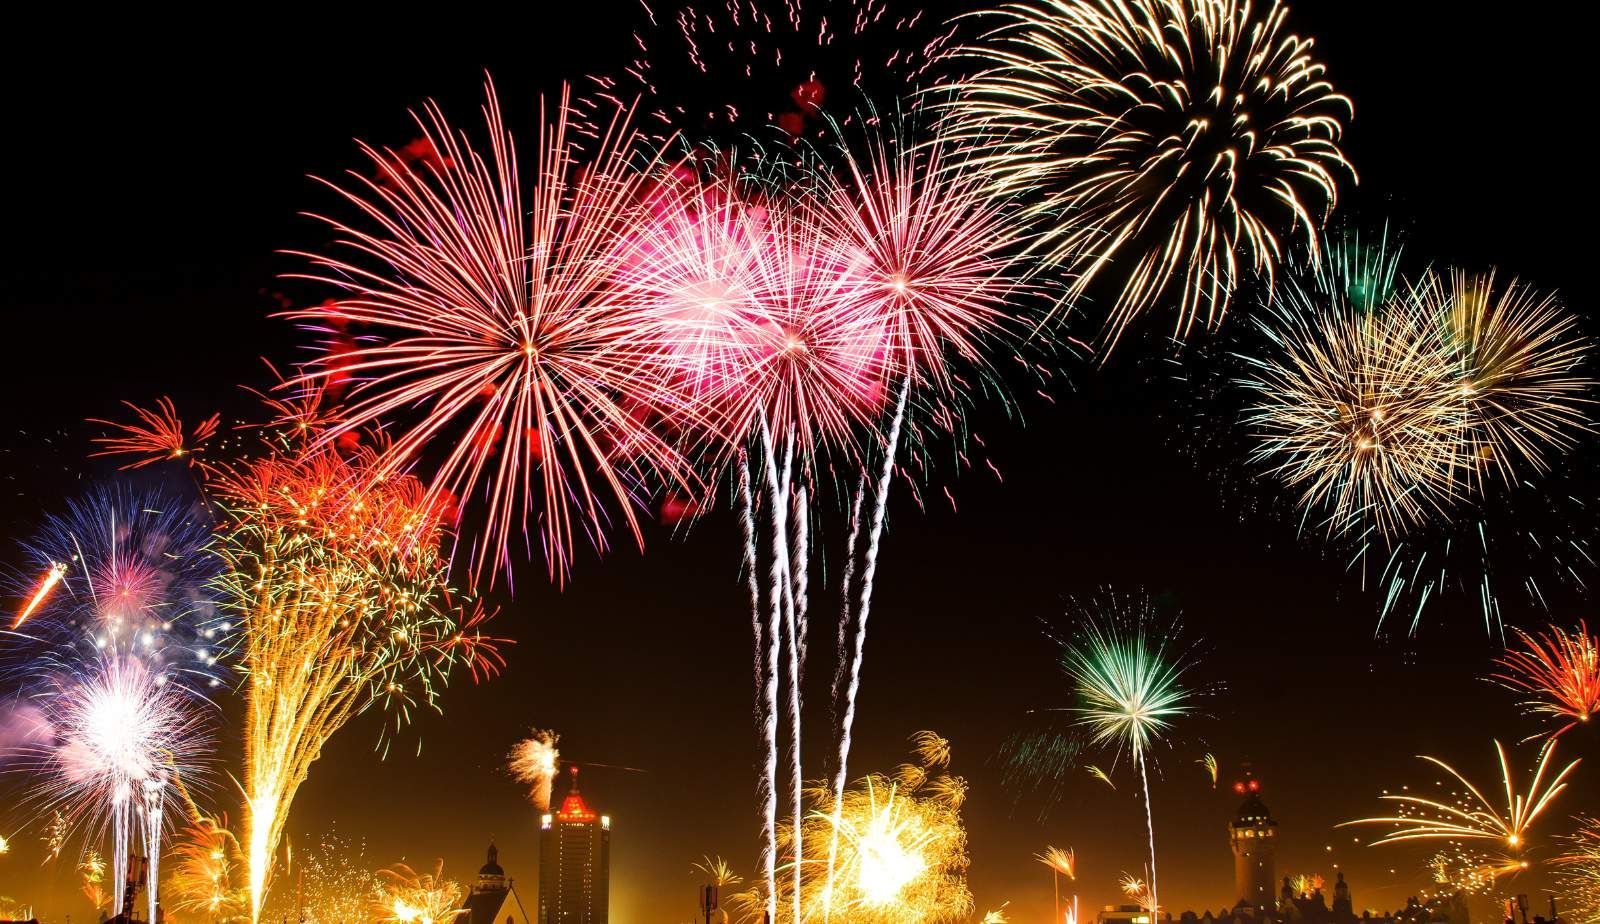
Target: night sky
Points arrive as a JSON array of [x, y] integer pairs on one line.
[[153, 178]]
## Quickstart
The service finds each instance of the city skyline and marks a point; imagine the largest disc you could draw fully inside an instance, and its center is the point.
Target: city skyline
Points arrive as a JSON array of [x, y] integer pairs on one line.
[[140, 280]]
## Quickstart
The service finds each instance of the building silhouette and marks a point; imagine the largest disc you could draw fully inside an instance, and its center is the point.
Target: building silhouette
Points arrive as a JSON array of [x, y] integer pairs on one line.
[[1254, 836], [494, 898], [1258, 897], [574, 862]]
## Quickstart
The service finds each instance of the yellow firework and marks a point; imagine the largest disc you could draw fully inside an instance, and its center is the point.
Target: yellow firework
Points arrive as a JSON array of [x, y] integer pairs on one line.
[[1578, 871], [1175, 144], [901, 852], [1061, 862], [1472, 816], [1458, 869], [406, 897], [339, 584], [207, 879]]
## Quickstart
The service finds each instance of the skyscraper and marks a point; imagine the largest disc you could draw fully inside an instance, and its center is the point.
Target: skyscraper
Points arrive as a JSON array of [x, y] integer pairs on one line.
[[574, 863], [1254, 837]]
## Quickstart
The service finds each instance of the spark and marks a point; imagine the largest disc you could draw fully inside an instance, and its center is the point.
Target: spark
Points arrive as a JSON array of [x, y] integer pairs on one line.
[[1577, 869], [1210, 763]]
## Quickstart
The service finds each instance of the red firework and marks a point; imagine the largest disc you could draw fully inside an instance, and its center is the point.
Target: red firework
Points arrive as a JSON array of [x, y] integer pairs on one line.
[[1560, 671], [493, 347], [157, 435]]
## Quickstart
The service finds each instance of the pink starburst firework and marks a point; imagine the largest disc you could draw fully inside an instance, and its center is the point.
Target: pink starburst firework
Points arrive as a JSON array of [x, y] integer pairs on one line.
[[1560, 672], [492, 344]]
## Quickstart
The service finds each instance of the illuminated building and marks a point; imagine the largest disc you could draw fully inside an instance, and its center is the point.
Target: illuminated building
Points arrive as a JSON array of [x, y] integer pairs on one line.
[[1123, 914], [494, 898], [574, 862], [1254, 836]]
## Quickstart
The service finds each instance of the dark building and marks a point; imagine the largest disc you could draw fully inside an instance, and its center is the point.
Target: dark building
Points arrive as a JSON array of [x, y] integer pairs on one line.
[[574, 863], [494, 898]]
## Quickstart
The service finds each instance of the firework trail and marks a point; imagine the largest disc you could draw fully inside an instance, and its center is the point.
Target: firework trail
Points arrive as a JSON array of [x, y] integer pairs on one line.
[[1474, 817], [1187, 138], [490, 304], [1210, 763], [339, 585], [535, 762]]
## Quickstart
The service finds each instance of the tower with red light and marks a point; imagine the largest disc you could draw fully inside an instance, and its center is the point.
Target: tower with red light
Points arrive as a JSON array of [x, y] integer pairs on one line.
[[574, 862], [1254, 836]]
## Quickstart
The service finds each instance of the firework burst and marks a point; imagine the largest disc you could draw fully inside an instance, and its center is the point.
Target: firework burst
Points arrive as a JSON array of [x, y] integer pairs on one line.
[[1558, 670], [1129, 684], [535, 762], [492, 325], [407, 897], [902, 848], [1473, 817], [1179, 144], [121, 739], [158, 434]]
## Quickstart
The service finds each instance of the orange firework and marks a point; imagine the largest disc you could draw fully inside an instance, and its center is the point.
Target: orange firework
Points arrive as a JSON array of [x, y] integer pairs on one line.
[[1560, 672]]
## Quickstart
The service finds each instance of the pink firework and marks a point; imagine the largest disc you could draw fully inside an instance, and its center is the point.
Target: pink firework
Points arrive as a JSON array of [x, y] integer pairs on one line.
[[1560, 672], [932, 251], [765, 323], [492, 346]]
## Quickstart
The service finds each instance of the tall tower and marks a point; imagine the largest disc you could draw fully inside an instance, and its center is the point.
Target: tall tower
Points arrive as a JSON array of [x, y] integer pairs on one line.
[[1254, 836], [574, 863]]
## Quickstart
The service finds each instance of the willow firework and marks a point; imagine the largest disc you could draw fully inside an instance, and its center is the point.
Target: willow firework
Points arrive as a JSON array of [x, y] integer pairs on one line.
[[489, 305], [339, 585], [1175, 144], [1472, 816]]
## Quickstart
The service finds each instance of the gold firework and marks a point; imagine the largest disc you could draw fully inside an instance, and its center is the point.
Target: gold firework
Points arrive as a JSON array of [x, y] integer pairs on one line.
[[1577, 869], [1472, 816], [1175, 143], [409, 898], [901, 849], [1383, 412], [339, 583]]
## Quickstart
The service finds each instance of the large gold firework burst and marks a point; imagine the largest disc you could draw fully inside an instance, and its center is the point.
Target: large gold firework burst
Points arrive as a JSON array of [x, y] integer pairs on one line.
[[1177, 144]]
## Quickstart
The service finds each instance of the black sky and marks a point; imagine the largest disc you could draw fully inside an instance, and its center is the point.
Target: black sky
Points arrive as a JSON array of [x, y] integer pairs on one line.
[[155, 166]]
